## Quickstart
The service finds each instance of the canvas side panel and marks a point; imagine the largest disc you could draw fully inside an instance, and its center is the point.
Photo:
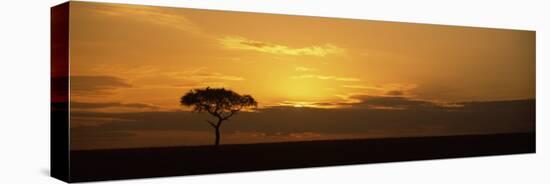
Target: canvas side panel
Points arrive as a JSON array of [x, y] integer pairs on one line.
[[59, 124]]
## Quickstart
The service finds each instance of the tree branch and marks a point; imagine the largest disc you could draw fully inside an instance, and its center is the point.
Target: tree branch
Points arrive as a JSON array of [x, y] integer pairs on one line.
[[211, 124], [213, 113], [233, 112]]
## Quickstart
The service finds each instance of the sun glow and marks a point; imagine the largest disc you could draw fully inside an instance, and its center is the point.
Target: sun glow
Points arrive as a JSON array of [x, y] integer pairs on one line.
[[303, 89]]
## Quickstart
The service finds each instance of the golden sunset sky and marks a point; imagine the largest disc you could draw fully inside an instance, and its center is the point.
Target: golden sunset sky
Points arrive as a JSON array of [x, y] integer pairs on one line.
[[153, 55], [127, 58]]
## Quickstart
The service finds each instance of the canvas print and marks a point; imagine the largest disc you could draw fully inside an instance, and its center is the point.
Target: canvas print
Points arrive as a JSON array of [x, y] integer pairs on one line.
[[146, 91]]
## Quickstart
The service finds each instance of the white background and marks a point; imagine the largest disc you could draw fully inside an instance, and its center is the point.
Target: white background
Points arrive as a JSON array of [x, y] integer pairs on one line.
[[24, 91]]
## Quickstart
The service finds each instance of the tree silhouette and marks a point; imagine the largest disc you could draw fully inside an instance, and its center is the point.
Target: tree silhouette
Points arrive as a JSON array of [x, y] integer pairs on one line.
[[218, 102]]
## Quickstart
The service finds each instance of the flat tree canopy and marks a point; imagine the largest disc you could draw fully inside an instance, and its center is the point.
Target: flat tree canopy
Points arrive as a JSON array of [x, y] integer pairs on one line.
[[218, 102]]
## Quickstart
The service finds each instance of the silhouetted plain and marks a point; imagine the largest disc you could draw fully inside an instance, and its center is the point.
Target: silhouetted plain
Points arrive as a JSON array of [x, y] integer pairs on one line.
[[155, 162]]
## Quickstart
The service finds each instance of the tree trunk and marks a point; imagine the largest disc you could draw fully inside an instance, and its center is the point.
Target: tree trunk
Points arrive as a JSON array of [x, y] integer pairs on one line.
[[217, 143]]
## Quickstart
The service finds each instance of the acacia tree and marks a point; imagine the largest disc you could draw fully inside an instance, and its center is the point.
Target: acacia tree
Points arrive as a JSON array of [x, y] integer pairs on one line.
[[218, 102]]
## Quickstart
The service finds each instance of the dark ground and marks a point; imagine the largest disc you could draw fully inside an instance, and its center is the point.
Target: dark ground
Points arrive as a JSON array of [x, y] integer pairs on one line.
[[154, 162]]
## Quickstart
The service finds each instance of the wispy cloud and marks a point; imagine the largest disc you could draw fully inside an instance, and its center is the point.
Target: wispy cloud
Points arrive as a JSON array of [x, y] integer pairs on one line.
[[150, 14], [96, 84], [362, 87], [90, 121], [325, 77], [217, 76], [99, 105], [305, 69], [315, 104], [367, 101], [112, 107], [384, 90], [240, 43], [126, 70], [200, 74]]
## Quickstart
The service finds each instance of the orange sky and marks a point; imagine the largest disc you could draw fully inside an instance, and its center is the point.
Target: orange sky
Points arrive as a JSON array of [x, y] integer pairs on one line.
[[160, 53], [127, 58]]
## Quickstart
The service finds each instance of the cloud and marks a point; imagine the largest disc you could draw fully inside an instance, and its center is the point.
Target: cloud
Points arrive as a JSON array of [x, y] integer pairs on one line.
[[93, 121], [320, 77], [393, 103], [362, 87], [126, 70], [216, 76], [395, 93], [240, 43], [384, 90], [150, 14], [314, 104], [96, 84], [200, 77], [305, 69], [325, 77], [99, 105]]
